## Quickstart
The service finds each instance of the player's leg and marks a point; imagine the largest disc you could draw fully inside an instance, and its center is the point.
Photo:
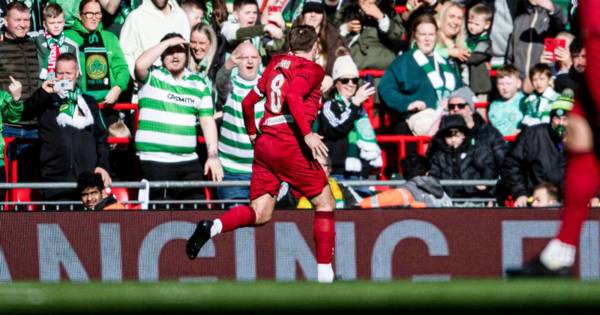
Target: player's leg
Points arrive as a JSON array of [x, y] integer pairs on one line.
[[324, 233]]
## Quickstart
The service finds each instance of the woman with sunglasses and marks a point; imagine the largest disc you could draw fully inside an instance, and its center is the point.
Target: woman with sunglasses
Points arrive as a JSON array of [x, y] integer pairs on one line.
[[418, 79], [344, 126]]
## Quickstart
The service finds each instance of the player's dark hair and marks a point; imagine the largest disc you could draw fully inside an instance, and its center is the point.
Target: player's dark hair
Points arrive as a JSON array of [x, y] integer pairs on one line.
[[414, 165], [238, 4], [302, 38], [540, 68], [89, 179]]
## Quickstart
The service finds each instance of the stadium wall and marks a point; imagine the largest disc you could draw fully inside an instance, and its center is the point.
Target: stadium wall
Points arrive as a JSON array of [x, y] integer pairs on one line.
[[420, 244]]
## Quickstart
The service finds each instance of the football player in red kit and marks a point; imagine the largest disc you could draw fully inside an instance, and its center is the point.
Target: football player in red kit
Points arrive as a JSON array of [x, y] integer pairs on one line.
[[582, 175], [285, 150]]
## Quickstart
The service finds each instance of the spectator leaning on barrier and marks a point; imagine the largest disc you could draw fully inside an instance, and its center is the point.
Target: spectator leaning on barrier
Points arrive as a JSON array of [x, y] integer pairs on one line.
[[19, 60], [418, 79], [486, 137], [545, 195], [373, 32], [71, 129], [104, 72], [94, 195], [235, 80], [51, 41], [537, 156], [172, 99], [454, 154], [146, 25]]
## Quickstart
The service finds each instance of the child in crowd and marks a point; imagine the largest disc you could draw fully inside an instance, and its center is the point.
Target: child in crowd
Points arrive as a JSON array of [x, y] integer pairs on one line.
[[51, 42], [505, 113], [242, 25], [536, 107], [194, 10], [480, 49]]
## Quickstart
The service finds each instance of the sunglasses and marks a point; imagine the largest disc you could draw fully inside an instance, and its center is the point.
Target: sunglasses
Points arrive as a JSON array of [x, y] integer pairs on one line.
[[459, 106], [347, 80]]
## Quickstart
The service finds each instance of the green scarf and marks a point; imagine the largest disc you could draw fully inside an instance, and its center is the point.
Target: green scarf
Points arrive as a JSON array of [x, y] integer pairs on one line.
[[472, 41], [96, 73], [69, 105], [443, 83]]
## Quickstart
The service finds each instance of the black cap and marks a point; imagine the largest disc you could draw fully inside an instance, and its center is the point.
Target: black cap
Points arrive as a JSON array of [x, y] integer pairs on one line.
[[313, 6]]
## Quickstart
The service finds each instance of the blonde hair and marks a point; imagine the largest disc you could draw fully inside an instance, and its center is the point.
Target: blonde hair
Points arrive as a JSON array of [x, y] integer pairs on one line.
[[461, 38], [207, 30]]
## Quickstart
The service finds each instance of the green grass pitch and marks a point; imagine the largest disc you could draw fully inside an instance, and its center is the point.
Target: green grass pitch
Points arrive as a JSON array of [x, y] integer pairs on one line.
[[365, 297]]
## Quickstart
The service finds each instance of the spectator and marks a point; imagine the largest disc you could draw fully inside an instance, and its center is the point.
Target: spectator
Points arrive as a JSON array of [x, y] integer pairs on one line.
[[452, 35], [373, 31], [205, 52], [94, 195], [235, 80], [146, 25], [243, 25], [454, 154], [420, 191], [72, 133], [216, 13], [545, 195], [559, 60], [104, 72], [536, 157], [541, 19], [11, 107], [461, 102], [572, 79], [537, 106], [330, 41], [411, 84], [72, 9], [505, 13], [505, 113], [35, 8], [51, 42], [19, 60], [171, 100], [194, 10], [480, 49], [344, 126]]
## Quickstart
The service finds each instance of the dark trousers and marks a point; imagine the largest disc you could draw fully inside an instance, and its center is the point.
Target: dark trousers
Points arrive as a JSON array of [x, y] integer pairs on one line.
[[189, 170]]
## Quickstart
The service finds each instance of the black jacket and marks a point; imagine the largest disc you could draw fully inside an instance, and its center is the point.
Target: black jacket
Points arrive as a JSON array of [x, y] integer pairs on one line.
[[488, 137], [67, 151], [536, 157], [570, 80], [334, 123], [468, 161]]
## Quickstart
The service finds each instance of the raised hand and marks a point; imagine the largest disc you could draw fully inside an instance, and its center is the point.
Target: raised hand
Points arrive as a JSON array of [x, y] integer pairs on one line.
[[15, 88]]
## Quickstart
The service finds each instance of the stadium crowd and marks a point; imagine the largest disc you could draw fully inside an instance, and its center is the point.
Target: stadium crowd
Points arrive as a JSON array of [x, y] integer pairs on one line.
[[188, 65]]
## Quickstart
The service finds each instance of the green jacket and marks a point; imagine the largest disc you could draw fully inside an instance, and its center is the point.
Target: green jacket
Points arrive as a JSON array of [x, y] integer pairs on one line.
[[118, 69], [11, 112]]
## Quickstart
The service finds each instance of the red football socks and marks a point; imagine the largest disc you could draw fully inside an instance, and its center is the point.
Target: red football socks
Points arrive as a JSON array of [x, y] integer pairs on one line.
[[238, 216], [324, 234], [582, 180]]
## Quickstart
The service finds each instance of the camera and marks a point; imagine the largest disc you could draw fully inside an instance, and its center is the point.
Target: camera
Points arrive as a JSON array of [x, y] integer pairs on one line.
[[63, 86]]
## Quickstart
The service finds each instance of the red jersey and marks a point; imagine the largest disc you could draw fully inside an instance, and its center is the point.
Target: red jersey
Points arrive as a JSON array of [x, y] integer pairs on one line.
[[292, 86]]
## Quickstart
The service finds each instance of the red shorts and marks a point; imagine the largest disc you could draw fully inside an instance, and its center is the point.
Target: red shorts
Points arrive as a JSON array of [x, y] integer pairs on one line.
[[276, 161]]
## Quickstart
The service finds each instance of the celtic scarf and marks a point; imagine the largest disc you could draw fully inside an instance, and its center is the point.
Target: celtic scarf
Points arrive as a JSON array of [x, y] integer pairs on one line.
[[96, 72], [73, 110], [472, 41], [443, 84], [54, 45]]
